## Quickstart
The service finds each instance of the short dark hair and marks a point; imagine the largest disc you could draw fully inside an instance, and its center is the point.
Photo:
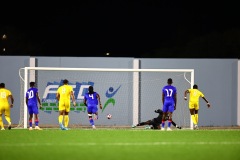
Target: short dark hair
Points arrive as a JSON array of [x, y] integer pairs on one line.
[[2, 85], [169, 81], [90, 89], [195, 86], [65, 81], [32, 84]]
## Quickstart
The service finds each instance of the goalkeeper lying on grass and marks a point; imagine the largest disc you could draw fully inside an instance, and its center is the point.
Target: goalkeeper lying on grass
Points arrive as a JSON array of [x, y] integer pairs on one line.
[[156, 122]]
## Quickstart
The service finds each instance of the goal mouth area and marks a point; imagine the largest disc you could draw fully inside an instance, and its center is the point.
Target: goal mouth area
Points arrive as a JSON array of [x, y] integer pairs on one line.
[[130, 95]]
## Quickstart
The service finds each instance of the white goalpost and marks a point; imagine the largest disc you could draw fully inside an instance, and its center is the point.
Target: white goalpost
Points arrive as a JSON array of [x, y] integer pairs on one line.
[[129, 95]]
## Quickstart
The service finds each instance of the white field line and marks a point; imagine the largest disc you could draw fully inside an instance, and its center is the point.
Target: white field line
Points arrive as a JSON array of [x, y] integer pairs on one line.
[[119, 144]]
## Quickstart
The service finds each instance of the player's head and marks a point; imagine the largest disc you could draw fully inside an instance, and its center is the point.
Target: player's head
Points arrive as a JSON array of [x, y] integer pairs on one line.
[[90, 89], [65, 81], [158, 111], [169, 81], [195, 86], [2, 85], [32, 84]]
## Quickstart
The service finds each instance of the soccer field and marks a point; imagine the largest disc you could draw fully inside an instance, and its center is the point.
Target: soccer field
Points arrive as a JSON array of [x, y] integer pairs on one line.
[[119, 144]]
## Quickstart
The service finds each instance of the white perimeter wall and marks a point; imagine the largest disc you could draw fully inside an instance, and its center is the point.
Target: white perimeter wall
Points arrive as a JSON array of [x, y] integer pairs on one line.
[[238, 117]]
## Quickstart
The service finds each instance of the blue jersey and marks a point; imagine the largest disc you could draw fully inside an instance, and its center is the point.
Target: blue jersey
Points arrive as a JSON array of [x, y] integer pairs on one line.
[[31, 95], [92, 99], [169, 92], [92, 102]]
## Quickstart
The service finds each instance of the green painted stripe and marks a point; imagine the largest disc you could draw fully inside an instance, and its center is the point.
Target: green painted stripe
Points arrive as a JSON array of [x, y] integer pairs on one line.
[[44, 104], [82, 104], [53, 104]]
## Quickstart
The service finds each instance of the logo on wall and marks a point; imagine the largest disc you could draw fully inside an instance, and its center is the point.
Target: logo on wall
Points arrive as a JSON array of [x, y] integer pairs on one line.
[[109, 94], [50, 103]]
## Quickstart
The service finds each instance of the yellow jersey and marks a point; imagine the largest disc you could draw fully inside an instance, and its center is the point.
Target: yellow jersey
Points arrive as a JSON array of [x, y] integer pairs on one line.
[[194, 95], [4, 94], [64, 92]]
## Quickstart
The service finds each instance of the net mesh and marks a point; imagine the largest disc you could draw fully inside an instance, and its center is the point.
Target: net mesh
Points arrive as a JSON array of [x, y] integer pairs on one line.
[[116, 91]]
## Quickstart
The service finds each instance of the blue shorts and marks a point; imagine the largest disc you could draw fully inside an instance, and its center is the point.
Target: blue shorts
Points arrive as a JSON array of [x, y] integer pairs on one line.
[[33, 109], [92, 109], [168, 106]]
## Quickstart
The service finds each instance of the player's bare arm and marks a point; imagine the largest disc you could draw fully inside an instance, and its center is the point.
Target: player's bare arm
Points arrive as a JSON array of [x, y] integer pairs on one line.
[[73, 99], [175, 100], [99, 101], [185, 94], [208, 104], [57, 96], [163, 98], [39, 101], [12, 100]]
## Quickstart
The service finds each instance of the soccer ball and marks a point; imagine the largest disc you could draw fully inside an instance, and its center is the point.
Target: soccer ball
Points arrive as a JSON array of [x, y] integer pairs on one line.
[[109, 116]]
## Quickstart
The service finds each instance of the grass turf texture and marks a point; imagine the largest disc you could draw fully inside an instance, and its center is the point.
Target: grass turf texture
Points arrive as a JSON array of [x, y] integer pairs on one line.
[[119, 144]]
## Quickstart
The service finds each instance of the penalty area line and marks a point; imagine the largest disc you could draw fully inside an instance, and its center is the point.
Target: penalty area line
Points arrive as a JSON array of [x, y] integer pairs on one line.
[[118, 144]]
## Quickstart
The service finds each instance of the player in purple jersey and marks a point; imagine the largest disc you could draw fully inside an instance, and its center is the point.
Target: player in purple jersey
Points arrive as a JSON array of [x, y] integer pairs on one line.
[[32, 100], [169, 100], [91, 100]]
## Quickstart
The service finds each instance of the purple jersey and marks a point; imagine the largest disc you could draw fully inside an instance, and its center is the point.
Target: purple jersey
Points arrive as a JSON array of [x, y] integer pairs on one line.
[[31, 95], [169, 92], [91, 99], [92, 102]]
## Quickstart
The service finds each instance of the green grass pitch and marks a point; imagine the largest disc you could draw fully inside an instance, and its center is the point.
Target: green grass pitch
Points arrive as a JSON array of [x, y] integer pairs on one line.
[[119, 144]]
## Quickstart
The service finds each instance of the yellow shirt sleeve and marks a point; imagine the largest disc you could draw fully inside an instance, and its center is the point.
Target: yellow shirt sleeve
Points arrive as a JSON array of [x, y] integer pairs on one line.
[[195, 94]]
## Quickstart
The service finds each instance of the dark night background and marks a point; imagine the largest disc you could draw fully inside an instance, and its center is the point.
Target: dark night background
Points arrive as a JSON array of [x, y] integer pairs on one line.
[[123, 28]]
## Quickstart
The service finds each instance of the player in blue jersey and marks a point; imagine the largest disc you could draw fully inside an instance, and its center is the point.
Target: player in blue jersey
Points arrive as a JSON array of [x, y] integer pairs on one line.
[[169, 100], [32, 100], [91, 100]]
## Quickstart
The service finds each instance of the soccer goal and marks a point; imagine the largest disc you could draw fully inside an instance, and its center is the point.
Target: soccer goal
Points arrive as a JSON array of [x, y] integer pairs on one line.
[[129, 95]]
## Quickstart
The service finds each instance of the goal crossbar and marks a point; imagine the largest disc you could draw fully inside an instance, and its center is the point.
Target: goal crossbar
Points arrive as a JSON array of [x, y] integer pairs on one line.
[[108, 69]]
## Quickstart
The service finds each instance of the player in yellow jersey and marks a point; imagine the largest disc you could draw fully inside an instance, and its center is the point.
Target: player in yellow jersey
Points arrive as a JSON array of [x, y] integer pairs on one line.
[[64, 93], [194, 95], [5, 107]]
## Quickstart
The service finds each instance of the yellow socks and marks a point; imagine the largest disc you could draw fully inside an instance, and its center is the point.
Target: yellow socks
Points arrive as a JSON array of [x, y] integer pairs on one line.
[[60, 119], [196, 118], [66, 120], [193, 119], [1, 123]]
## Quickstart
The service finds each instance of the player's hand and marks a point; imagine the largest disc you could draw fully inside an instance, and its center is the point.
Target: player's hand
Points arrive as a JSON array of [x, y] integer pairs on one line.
[[40, 106], [100, 106], [185, 98], [74, 104], [208, 104]]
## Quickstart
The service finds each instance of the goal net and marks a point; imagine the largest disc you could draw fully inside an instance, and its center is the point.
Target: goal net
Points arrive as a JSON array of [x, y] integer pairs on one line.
[[129, 95]]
